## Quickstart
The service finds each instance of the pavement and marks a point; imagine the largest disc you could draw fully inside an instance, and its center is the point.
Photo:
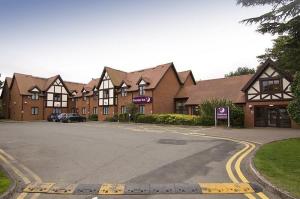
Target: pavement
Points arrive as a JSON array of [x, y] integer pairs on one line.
[[99, 152]]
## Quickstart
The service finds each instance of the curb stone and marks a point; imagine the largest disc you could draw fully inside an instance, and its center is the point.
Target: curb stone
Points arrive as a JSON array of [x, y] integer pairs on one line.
[[12, 189], [265, 183]]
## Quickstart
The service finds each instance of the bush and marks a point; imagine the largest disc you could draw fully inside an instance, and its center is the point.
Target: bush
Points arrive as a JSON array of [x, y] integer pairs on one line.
[[112, 119], [175, 119], [93, 117], [294, 105], [123, 117], [207, 112]]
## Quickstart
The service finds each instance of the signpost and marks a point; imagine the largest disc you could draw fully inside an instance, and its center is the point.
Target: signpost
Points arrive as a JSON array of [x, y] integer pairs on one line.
[[222, 113]]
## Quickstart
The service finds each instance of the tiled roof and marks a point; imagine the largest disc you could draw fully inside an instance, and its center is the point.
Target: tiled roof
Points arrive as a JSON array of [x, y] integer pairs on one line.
[[183, 75], [26, 82], [150, 75], [223, 88]]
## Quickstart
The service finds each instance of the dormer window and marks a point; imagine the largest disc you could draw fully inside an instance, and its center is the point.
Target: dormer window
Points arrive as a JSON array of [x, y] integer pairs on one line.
[[124, 92], [35, 96], [142, 90], [84, 98]]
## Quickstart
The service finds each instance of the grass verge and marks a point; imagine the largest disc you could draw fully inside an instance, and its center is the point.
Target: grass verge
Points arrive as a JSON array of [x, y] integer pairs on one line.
[[279, 162], [4, 182]]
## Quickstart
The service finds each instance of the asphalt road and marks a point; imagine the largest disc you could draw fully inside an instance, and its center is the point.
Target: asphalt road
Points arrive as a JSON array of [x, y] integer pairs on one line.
[[96, 153]]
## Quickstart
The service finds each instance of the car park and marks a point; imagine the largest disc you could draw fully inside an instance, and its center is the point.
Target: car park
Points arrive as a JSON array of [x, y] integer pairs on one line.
[[61, 116], [73, 117]]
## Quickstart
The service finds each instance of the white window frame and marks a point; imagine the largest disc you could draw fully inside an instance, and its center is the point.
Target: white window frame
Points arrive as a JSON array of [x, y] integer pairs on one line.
[[35, 96], [142, 109], [105, 110], [34, 110]]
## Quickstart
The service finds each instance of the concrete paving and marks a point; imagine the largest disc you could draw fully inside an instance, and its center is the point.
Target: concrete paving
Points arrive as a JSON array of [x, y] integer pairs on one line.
[[96, 153]]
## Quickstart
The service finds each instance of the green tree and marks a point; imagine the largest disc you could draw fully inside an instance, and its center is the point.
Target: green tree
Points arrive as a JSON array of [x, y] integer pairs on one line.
[[241, 71], [132, 109], [294, 106], [282, 20]]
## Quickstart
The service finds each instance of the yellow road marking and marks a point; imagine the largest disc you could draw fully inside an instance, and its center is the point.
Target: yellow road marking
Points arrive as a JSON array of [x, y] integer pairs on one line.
[[222, 188], [239, 172], [112, 189], [38, 187], [17, 171], [229, 163]]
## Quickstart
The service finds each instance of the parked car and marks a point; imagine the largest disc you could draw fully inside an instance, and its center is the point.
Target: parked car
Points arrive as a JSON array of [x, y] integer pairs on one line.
[[61, 116], [73, 117], [53, 117]]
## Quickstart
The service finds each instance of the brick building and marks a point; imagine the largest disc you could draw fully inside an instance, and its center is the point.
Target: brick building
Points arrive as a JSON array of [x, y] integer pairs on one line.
[[161, 89]]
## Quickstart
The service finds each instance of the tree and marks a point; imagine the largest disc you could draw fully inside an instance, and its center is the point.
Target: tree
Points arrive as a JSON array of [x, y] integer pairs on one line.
[[241, 71], [283, 20], [294, 105]]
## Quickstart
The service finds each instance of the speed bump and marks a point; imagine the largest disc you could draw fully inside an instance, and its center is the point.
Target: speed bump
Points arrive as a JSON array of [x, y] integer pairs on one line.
[[223, 188], [38, 187], [62, 189], [112, 189]]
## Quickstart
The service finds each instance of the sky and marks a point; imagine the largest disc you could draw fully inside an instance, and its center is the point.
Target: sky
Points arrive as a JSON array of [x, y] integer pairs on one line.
[[77, 38]]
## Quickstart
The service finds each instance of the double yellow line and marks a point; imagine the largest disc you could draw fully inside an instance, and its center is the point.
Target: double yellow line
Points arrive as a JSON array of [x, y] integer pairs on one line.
[[9, 160], [239, 156]]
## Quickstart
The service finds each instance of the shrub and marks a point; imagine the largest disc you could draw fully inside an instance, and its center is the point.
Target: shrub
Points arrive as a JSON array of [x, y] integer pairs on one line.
[[112, 119], [123, 117], [93, 117], [176, 119], [294, 105], [207, 112], [132, 109]]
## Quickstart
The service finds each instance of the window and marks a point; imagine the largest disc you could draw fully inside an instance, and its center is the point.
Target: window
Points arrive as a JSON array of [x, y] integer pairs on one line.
[[123, 92], [35, 96], [105, 93], [56, 110], [83, 111], [180, 107], [142, 90], [84, 98], [142, 109], [95, 95], [194, 110], [123, 109], [57, 97], [272, 85], [95, 110], [73, 110], [34, 110], [105, 110], [73, 99]]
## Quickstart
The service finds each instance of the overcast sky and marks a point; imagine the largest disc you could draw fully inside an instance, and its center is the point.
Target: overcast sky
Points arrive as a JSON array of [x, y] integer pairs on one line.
[[78, 38]]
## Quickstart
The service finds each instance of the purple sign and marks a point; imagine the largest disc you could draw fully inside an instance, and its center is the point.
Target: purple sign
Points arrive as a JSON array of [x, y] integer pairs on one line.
[[222, 113], [142, 100]]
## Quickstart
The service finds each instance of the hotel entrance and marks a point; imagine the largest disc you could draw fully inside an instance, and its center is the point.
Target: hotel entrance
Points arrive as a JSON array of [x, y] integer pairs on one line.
[[272, 117]]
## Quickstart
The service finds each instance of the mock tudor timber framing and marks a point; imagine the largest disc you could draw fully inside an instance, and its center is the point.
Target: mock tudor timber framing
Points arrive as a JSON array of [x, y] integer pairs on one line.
[[57, 88]]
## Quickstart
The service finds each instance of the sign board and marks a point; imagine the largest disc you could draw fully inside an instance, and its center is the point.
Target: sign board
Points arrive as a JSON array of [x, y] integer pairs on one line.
[[142, 100], [222, 113]]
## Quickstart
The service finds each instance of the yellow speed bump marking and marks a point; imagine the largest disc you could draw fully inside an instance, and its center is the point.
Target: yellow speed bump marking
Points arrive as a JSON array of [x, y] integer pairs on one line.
[[38, 187], [112, 189], [226, 188], [63, 189]]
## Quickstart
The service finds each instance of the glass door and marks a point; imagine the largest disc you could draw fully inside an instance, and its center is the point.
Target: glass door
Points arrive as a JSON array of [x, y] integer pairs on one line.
[[272, 117]]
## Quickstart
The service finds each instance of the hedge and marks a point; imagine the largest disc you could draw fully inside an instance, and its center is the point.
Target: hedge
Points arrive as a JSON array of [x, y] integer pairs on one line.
[[93, 117], [175, 119]]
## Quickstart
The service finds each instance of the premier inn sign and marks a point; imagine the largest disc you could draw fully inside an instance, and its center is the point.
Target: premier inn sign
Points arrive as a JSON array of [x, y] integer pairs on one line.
[[142, 100]]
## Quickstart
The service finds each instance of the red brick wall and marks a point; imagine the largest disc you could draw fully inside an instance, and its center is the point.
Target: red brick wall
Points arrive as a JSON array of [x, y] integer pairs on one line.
[[164, 93], [28, 103], [112, 111], [15, 102]]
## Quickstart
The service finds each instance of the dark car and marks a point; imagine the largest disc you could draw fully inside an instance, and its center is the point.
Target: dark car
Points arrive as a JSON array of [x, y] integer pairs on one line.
[[61, 117], [53, 117], [73, 117]]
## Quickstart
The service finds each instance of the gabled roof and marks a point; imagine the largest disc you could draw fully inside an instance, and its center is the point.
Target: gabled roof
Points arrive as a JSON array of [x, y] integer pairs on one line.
[[184, 75], [261, 69], [27, 82], [8, 80], [224, 88], [151, 75], [89, 87]]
